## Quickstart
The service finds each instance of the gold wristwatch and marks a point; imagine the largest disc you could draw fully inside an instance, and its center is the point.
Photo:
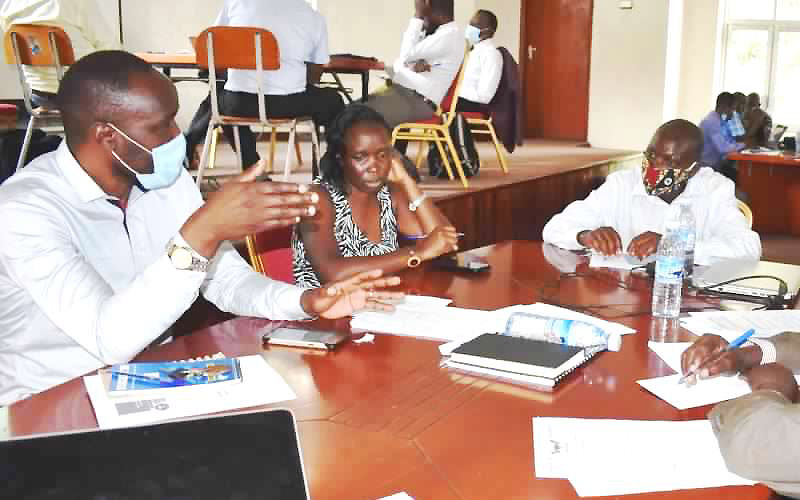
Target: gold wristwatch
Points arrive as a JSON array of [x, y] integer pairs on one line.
[[413, 259], [185, 258]]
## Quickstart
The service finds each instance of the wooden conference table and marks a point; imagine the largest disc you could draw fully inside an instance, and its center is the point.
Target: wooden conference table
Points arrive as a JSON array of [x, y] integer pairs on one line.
[[339, 64], [768, 180], [383, 417]]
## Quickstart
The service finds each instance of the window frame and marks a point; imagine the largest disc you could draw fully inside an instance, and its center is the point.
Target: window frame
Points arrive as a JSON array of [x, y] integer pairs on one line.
[[773, 28]]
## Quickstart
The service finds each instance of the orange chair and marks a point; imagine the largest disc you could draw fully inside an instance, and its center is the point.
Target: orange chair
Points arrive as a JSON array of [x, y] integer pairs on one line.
[[43, 46], [437, 129], [228, 47], [271, 253]]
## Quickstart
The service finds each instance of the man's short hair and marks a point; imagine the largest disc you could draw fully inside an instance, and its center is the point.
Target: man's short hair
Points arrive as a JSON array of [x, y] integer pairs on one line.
[[686, 130], [443, 8], [95, 89], [489, 18], [725, 99]]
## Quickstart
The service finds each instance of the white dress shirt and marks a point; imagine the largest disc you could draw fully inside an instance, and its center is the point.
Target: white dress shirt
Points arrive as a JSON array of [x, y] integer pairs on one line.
[[78, 291], [443, 50], [80, 19], [302, 37], [622, 203], [482, 73]]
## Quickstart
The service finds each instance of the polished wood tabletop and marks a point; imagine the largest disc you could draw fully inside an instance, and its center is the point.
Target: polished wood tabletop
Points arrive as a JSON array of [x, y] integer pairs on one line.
[[786, 159], [382, 417], [338, 64], [770, 182]]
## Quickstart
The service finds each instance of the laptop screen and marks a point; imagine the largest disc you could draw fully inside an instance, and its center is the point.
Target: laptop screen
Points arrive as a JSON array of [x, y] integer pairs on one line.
[[253, 455]]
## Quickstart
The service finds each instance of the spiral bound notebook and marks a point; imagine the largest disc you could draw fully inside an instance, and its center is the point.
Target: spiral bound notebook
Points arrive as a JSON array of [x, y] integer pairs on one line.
[[521, 355]]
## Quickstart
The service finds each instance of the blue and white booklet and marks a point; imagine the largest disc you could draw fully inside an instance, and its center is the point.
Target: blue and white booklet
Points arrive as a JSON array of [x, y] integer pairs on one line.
[[128, 377]]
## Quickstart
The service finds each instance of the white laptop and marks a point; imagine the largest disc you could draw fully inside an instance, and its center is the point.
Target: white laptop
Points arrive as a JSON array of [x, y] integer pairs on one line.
[[245, 455], [754, 287]]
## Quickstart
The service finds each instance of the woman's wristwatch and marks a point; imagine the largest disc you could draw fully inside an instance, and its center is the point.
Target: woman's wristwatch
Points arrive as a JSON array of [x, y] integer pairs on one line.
[[413, 259]]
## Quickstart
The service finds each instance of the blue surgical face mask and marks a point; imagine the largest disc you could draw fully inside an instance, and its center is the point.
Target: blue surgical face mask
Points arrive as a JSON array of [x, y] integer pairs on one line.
[[167, 162], [472, 34]]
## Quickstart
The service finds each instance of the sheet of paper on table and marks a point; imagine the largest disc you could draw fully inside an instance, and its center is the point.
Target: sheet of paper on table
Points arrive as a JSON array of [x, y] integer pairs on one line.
[[620, 457], [704, 392], [260, 385], [620, 261], [731, 324]]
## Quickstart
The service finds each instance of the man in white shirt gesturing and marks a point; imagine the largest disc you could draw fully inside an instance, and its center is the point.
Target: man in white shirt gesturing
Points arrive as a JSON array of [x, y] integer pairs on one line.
[[430, 56], [627, 213], [484, 66], [106, 241]]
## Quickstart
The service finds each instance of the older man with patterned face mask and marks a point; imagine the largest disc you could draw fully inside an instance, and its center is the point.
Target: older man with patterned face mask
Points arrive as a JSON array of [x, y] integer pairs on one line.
[[627, 213]]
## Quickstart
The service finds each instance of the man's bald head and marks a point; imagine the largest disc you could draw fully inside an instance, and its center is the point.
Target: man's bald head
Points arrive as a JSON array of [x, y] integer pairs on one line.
[[682, 138], [99, 88]]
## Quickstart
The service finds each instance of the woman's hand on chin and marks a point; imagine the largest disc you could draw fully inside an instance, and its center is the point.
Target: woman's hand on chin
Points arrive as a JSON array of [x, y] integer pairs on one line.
[[397, 172]]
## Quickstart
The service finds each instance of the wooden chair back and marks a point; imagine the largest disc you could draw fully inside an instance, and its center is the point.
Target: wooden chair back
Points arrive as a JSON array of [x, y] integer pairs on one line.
[[229, 47], [36, 45], [271, 254], [748, 214]]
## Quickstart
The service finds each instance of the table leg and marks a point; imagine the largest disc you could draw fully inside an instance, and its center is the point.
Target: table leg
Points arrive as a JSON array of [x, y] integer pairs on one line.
[[364, 85], [342, 87]]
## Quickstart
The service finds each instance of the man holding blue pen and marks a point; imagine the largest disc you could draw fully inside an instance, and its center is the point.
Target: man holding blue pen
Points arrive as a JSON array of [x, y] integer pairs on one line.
[[758, 434]]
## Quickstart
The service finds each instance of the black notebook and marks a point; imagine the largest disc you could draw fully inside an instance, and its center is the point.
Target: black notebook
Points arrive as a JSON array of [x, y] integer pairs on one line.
[[521, 355]]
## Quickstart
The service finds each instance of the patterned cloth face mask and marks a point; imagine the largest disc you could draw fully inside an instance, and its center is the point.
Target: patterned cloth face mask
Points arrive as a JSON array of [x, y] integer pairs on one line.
[[664, 181]]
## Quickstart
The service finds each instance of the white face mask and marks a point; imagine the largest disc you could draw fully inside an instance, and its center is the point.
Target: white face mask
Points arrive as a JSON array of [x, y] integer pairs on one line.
[[167, 161], [472, 34]]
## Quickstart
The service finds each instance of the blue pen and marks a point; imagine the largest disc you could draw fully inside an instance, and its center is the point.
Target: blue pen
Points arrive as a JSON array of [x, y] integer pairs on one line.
[[423, 236], [741, 339]]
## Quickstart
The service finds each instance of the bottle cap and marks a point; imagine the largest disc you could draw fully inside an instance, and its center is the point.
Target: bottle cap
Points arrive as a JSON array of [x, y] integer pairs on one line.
[[614, 342]]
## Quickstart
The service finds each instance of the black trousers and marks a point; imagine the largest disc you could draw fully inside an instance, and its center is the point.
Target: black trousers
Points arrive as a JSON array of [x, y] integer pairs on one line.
[[321, 104], [466, 106]]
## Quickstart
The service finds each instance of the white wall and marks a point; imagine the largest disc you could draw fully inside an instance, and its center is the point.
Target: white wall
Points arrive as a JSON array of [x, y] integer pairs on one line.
[[626, 88], [700, 35]]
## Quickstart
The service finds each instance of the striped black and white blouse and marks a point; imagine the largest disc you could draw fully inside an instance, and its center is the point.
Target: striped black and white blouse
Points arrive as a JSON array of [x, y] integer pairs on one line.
[[352, 241]]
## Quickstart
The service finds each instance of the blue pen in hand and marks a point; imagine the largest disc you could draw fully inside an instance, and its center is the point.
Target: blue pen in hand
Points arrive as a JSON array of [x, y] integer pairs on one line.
[[422, 236], [741, 339]]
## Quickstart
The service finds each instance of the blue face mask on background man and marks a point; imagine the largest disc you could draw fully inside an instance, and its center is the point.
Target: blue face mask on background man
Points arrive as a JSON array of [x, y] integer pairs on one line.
[[472, 34], [167, 162]]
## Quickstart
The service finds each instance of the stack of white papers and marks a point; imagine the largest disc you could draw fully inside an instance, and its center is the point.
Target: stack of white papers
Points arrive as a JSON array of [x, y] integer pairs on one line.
[[622, 457], [261, 385], [731, 324], [428, 317], [704, 392]]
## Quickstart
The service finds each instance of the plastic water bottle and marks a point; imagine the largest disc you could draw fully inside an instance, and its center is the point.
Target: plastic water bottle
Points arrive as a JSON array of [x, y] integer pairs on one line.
[[668, 281], [688, 232], [561, 331]]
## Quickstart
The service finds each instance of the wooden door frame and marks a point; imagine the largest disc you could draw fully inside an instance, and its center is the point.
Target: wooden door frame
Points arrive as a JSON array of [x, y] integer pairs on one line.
[[523, 60]]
